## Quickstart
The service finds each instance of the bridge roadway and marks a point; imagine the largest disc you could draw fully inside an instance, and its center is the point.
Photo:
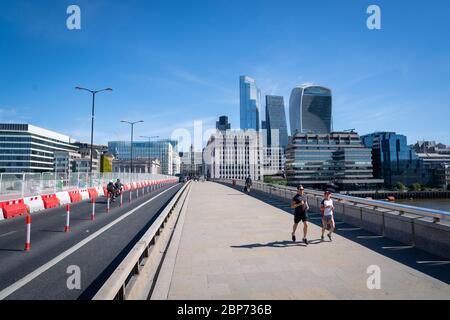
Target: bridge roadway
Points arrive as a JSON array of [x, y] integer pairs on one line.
[[37, 275], [235, 246]]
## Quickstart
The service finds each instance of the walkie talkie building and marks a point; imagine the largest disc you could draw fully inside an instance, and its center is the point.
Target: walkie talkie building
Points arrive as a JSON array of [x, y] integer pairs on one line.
[[310, 109]]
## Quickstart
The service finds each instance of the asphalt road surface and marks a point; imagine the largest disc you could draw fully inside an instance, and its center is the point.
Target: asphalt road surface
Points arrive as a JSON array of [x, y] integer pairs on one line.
[[95, 247]]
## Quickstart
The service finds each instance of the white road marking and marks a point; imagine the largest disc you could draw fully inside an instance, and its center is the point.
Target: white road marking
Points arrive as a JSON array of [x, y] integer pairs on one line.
[[20, 283], [7, 234]]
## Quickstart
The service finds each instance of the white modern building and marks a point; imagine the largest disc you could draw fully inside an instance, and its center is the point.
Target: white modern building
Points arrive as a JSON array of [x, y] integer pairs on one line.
[[65, 161], [273, 161], [234, 154], [27, 148]]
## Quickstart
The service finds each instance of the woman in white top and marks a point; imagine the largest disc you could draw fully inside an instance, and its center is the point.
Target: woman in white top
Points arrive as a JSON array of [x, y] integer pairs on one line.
[[327, 208]]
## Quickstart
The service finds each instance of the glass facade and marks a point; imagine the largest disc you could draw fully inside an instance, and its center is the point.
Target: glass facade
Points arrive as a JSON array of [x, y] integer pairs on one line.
[[250, 101], [393, 160], [316, 160], [275, 123], [310, 109], [26, 148], [162, 150]]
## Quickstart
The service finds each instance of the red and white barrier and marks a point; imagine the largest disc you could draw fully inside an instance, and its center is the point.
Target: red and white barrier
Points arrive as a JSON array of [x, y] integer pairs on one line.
[[34, 204], [84, 194], [63, 197], [14, 208], [100, 191]]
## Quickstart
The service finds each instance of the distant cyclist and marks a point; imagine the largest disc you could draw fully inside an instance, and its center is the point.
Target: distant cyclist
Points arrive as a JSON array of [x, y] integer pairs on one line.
[[111, 190], [118, 186]]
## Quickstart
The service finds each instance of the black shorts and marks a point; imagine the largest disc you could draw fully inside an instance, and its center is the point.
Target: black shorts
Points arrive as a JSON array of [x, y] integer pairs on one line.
[[302, 216]]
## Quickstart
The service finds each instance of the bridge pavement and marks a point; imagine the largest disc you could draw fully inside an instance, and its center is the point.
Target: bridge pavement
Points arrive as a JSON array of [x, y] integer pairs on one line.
[[235, 246]]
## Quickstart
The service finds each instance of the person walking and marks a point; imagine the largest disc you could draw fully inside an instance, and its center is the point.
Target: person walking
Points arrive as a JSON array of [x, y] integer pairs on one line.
[[327, 209], [248, 184], [301, 207]]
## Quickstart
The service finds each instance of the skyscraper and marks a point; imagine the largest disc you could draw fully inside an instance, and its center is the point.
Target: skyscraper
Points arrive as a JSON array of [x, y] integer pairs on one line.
[[310, 109], [223, 124], [276, 122], [250, 100]]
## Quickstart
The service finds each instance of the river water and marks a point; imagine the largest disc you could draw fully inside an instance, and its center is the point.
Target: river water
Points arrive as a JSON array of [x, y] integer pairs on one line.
[[437, 204]]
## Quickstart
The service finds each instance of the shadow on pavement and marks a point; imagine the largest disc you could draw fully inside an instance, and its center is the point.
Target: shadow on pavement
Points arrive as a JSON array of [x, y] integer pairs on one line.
[[419, 260]]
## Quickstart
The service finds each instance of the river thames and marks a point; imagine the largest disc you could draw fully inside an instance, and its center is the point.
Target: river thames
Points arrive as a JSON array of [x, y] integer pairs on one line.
[[438, 204]]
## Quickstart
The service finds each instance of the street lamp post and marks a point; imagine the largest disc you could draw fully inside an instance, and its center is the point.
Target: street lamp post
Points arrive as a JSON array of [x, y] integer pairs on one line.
[[132, 129], [93, 92], [149, 141]]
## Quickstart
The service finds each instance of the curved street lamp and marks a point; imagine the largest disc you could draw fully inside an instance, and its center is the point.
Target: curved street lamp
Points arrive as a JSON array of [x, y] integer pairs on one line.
[[93, 92]]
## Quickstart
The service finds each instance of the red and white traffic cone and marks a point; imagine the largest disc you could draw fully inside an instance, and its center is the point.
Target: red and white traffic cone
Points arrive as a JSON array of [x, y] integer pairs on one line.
[[93, 209], [28, 221], [66, 229]]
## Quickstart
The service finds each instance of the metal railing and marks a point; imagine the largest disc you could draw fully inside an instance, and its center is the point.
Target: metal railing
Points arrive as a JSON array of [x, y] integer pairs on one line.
[[20, 185], [289, 192]]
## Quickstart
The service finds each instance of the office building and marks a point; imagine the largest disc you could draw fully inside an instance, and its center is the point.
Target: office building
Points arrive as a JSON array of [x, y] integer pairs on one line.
[[192, 163], [223, 124], [27, 148], [250, 102], [393, 160], [338, 158], [235, 154], [65, 161], [276, 125], [433, 168], [273, 160], [160, 149], [310, 108]]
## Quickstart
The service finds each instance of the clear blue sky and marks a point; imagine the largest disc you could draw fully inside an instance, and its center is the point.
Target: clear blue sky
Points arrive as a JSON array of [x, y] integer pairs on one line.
[[173, 62]]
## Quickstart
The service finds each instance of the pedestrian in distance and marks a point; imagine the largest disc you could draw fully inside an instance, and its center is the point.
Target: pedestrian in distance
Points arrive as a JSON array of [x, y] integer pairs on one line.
[[248, 184], [327, 210], [301, 207]]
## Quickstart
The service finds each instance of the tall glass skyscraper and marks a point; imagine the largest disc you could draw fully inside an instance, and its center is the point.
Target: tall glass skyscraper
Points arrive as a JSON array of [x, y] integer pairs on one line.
[[310, 109], [276, 122], [250, 101]]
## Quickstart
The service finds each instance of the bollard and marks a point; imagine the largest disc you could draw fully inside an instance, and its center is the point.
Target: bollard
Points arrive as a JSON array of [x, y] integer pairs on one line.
[[137, 193], [108, 201], [130, 194], [66, 229], [93, 207], [121, 198], [27, 243]]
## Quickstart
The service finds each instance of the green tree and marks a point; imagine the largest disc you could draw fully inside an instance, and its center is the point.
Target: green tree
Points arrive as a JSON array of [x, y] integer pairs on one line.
[[268, 179], [399, 186], [416, 186]]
